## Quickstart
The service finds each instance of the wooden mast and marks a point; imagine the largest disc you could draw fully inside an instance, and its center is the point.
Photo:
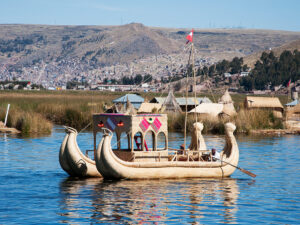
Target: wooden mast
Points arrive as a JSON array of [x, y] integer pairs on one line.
[[186, 96]]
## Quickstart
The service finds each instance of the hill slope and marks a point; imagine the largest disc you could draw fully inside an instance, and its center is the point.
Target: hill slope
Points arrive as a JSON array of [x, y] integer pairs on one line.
[[291, 46], [59, 53]]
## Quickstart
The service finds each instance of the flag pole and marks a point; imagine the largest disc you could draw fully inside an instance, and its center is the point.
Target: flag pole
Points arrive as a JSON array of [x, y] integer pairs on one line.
[[186, 96], [189, 38], [194, 87]]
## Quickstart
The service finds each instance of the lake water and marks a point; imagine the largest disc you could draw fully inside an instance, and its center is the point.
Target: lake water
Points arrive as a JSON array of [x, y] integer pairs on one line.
[[35, 190]]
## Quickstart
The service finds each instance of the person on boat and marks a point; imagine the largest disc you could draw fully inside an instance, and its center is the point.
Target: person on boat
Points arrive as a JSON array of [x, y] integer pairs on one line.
[[215, 154], [182, 148]]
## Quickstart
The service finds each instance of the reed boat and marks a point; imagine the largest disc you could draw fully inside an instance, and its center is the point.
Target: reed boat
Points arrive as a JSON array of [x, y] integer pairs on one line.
[[72, 160], [143, 159]]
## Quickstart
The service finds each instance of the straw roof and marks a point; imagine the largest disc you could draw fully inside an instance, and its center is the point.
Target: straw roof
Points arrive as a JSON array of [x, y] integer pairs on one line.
[[262, 102], [149, 107], [213, 109], [229, 109], [226, 98], [296, 109], [170, 104]]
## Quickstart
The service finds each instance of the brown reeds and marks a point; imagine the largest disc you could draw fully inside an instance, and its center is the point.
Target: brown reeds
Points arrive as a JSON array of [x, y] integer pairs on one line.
[[245, 121], [25, 121], [32, 112]]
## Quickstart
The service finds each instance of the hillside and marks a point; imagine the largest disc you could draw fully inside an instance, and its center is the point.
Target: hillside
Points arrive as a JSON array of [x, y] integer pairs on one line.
[[44, 53], [291, 46]]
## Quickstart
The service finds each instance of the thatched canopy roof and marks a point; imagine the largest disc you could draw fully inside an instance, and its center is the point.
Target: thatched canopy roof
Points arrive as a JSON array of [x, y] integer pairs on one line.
[[149, 107], [262, 102], [213, 109]]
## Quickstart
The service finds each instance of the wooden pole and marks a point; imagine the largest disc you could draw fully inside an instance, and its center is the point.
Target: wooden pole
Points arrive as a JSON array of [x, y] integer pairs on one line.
[[186, 96], [195, 93], [6, 115]]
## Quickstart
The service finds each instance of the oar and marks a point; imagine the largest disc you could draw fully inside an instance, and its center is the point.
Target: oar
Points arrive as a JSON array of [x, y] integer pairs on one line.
[[243, 170]]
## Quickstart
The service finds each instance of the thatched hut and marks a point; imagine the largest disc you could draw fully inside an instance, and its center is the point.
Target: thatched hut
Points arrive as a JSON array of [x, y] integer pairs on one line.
[[170, 104], [270, 103], [228, 109]]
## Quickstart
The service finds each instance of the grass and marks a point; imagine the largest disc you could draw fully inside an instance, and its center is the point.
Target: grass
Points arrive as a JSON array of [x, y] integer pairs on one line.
[[36, 111]]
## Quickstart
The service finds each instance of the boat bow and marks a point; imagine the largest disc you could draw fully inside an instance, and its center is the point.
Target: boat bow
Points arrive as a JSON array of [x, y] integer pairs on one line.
[[72, 160]]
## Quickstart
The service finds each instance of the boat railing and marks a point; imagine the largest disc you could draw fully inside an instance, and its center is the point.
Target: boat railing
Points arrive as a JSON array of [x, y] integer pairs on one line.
[[190, 155]]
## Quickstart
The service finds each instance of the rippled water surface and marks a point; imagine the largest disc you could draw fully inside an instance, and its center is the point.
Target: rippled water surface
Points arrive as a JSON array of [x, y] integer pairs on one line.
[[35, 190]]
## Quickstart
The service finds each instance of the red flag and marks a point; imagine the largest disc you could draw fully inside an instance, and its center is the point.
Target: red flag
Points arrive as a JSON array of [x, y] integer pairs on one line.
[[288, 84], [189, 37]]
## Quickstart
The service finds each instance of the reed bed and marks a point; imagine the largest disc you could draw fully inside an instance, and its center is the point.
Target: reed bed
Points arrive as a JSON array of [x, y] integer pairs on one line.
[[27, 122], [35, 112], [245, 121], [32, 112]]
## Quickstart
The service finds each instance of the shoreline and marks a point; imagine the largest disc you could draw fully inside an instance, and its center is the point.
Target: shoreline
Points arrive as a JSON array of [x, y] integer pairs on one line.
[[275, 132]]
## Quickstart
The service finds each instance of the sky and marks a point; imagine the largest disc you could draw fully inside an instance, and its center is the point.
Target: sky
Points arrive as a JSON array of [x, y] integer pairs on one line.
[[253, 14]]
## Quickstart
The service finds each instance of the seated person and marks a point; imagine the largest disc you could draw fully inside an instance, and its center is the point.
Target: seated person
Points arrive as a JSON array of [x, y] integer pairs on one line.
[[215, 155]]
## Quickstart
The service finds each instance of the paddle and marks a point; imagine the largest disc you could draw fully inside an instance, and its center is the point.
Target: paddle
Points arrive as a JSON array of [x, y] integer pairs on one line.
[[243, 170]]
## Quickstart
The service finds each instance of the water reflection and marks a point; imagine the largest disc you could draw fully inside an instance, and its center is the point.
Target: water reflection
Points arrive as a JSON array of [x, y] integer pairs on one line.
[[156, 201]]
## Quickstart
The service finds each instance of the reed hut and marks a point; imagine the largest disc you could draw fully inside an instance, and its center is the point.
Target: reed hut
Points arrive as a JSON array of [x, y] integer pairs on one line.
[[170, 104], [228, 109], [269, 103]]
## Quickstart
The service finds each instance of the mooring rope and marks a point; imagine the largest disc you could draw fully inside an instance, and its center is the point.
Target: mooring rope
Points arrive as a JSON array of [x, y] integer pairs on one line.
[[85, 127]]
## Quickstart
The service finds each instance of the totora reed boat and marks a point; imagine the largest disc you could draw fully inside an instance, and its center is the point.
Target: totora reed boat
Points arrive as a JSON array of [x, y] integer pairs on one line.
[[153, 159], [147, 161]]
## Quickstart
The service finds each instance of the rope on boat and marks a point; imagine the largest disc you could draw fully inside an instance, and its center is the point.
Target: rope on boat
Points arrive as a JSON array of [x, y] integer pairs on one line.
[[85, 127]]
